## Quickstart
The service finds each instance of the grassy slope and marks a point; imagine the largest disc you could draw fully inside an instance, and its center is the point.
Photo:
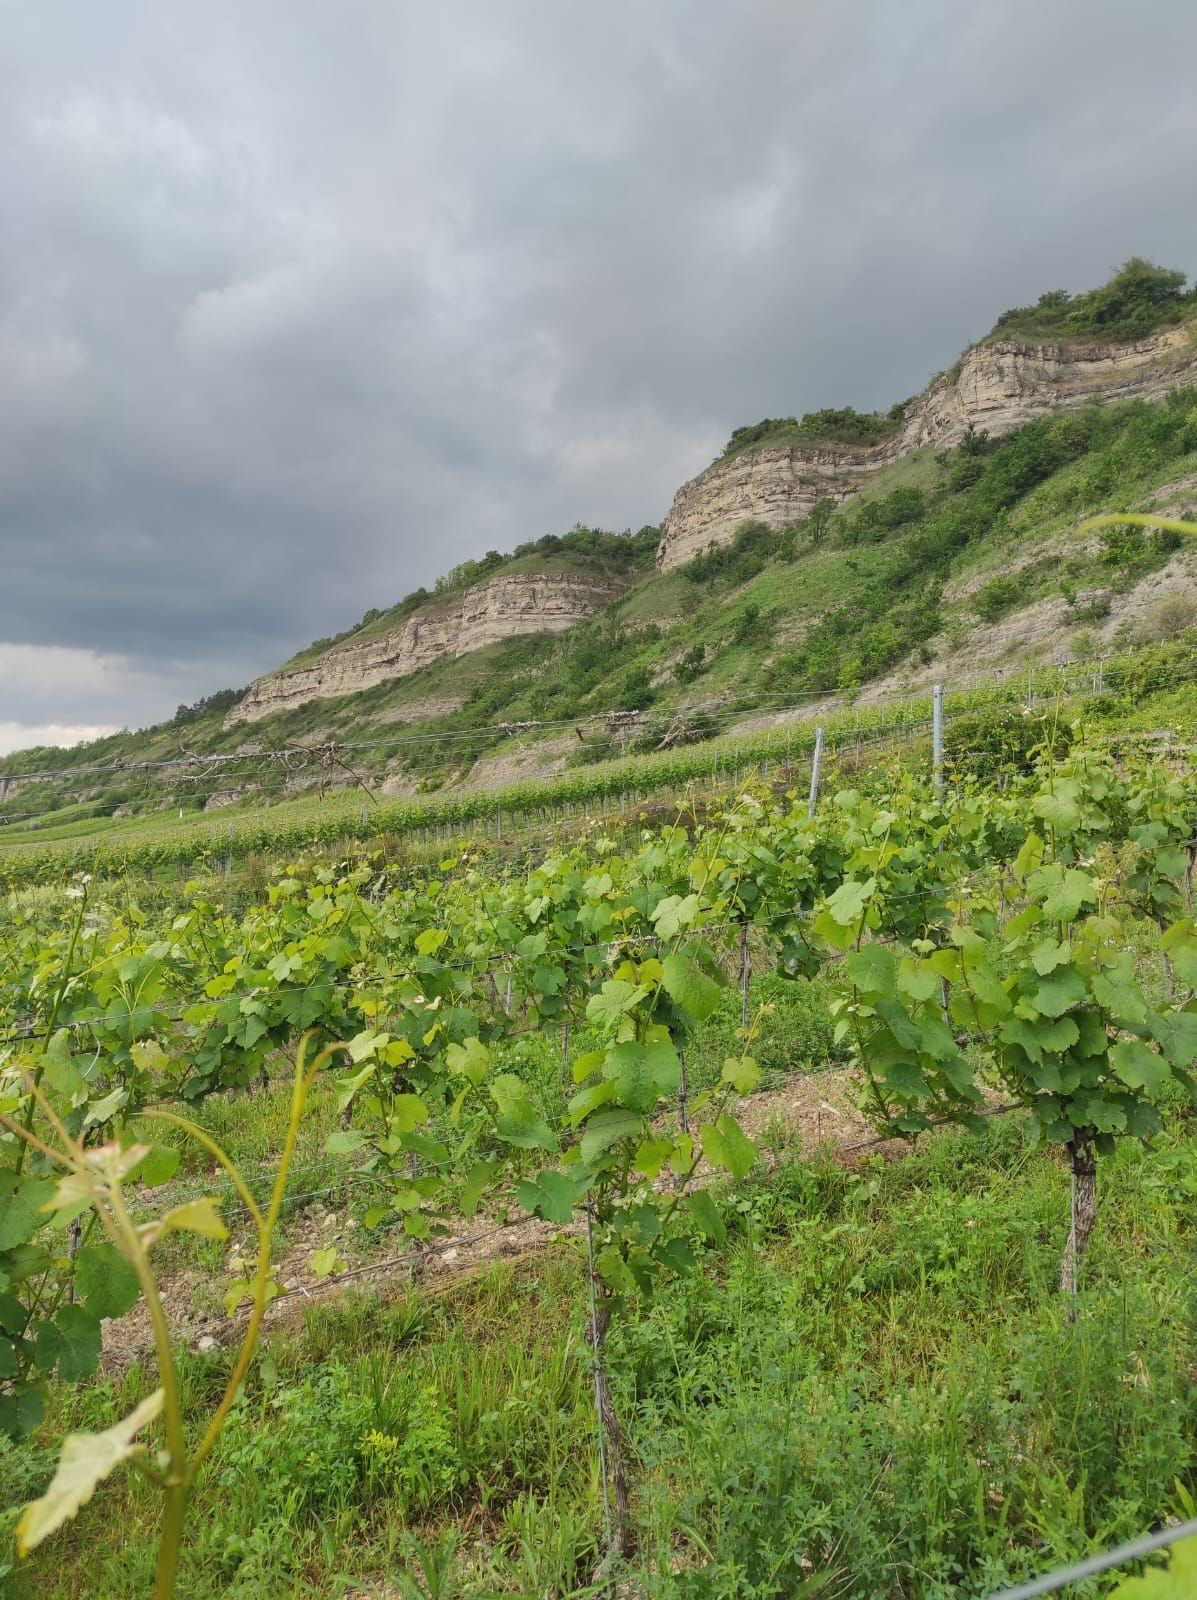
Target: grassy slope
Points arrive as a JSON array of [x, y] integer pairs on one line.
[[884, 595]]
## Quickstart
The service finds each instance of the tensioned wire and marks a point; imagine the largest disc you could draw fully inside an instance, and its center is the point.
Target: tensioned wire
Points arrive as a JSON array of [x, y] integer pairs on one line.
[[840, 740], [1043, 684], [274, 764]]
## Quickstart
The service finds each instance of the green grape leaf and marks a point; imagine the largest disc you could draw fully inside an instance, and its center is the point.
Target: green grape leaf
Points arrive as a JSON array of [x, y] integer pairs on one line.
[[348, 1085], [1058, 812], [344, 1141], [707, 1216], [607, 1009], [992, 1000], [726, 1145], [552, 1195], [906, 1031], [477, 1181], [1057, 1035], [918, 982], [1176, 1034], [675, 914], [643, 1072], [1091, 1110], [586, 1064], [1058, 993], [1017, 1031], [608, 1128], [13, 1315], [200, 1216], [1139, 1066], [61, 1073], [1120, 996], [517, 1120], [1048, 955], [674, 1254], [1092, 1038], [1184, 963], [1029, 856], [651, 1155], [22, 1203], [905, 1078], [937, 1040], [1176, 1581], [742, 1073], [407, 1112], [364, 1044], [104, 1281], [689, 987], [158, 1166], [872, 970], [1064, 892], [548, 981], [590, 1099], [21, 1410], [431, 1149], [323, 1262], [71, 1342], [848, 902], [470, 1060]]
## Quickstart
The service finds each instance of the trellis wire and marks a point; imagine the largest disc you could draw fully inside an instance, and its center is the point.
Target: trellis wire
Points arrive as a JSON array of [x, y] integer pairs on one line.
[[1063, 1577], [1094, 684]]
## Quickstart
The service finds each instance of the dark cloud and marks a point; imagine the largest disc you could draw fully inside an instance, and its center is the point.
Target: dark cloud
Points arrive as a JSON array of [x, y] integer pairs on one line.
[[300, 303]]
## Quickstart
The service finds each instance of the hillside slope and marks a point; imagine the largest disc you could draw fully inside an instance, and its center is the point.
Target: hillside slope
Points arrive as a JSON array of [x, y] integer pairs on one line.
[[1136, 337], [945, 562]]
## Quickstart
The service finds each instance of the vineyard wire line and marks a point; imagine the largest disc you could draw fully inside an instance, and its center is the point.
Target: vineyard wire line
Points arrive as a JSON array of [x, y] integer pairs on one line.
[[1062, 1577], [777, 705]]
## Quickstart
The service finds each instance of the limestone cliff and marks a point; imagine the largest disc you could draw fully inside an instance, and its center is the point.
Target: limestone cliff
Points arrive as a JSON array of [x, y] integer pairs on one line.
[[500, 608], [998, 387]]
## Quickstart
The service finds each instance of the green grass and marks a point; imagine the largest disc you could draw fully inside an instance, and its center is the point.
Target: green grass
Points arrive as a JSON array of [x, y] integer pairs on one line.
[[875, 1382]]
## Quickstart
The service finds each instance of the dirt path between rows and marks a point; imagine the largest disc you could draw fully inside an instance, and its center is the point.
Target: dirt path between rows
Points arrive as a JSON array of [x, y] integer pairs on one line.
[[809, 1114]]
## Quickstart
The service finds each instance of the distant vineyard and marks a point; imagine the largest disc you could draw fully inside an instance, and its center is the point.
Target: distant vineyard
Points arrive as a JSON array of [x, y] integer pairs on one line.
[[979, 738]]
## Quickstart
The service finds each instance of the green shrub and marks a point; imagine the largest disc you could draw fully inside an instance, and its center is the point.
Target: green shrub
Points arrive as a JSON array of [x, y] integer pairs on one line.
[[996, 598], [1139, 299], [692, 665], [737, 562], [845, 425]]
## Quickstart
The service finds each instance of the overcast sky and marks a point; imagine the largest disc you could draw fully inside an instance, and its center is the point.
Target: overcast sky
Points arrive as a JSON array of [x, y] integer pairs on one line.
[[302, 301]]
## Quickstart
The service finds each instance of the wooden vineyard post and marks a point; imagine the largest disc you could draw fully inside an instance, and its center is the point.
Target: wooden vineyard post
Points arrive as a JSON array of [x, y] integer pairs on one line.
[[1083, 1164]]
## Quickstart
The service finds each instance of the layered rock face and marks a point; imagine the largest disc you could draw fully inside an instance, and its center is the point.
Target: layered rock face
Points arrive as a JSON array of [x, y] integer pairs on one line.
[[500, 608], [999, 387]]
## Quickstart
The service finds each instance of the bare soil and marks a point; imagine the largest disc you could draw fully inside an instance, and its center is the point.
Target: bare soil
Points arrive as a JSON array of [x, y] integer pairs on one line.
[[815, 1114]]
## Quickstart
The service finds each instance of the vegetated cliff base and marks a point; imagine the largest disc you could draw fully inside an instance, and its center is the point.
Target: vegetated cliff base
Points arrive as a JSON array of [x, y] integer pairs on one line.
[[500, 608], [998, 387]]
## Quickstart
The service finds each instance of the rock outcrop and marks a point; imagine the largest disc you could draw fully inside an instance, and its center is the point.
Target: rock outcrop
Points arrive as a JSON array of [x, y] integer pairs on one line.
[[998, 387], [499, 608]]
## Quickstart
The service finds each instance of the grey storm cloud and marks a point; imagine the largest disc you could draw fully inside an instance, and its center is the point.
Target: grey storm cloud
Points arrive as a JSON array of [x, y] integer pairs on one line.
[[301, 302]]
